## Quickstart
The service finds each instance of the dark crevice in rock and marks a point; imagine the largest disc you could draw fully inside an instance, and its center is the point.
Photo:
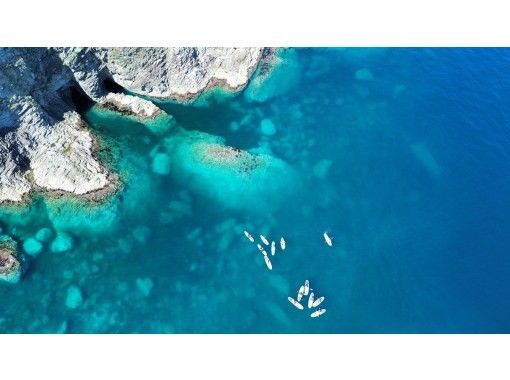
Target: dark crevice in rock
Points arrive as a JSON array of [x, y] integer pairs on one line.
[[81, 102], [22, 161], [110, 86]]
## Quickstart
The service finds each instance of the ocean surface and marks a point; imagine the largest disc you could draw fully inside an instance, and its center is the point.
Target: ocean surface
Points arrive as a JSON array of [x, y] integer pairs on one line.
[[401, 155]]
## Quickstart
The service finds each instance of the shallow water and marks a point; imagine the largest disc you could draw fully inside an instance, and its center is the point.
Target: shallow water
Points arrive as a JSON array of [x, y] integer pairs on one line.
[[401, 154]]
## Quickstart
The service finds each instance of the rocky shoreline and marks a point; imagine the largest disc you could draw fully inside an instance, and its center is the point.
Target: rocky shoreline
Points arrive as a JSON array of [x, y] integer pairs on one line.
[[44, 143]]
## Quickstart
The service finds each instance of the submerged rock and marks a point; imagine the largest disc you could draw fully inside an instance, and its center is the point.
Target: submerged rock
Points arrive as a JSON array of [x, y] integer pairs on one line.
[[280, 73], [236, 178], [161, 164], [10, 267], [74, 297], [176, 209], [62, 328], [425, 157], [145, 285], [141, 233], [32, 246], [321, 168], [63, 242], [267, 127], [44, 235], [83, 218], [363, 75], [125, 245]]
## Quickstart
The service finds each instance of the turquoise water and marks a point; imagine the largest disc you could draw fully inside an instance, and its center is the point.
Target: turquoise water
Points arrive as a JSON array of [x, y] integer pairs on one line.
[[401, 154]]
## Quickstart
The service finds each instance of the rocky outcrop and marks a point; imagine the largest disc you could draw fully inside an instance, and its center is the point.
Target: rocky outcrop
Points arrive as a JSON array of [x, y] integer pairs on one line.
[[87, 69], [49, 155], [44, 143], [180, 73], [10, 267], [63, 159], [130, 105]]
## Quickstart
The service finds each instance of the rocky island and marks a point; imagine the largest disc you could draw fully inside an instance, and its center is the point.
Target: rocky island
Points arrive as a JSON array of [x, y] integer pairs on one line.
[[45, 144]]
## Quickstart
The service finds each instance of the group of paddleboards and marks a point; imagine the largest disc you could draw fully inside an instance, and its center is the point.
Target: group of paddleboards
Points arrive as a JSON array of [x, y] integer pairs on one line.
[[272, 247], [313, 302], [304, 290]]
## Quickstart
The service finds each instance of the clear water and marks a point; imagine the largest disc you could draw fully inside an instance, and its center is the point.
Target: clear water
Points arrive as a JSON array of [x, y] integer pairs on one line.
[[416, 198]]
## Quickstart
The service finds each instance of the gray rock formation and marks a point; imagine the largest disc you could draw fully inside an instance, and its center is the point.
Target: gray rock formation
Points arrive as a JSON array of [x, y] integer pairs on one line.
[[44, 143], [10, 267], [43, 153], [180, 73]]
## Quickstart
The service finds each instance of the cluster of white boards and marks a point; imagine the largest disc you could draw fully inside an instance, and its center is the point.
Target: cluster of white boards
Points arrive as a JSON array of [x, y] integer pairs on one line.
[[313, 302], [304, 290], [272, 246]]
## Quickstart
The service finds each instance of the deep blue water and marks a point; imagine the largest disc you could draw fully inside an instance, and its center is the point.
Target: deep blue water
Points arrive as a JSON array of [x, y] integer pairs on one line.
[[416, 199]]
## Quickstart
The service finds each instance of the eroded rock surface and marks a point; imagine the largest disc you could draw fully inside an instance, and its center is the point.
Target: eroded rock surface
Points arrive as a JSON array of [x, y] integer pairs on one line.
[[180, 72]]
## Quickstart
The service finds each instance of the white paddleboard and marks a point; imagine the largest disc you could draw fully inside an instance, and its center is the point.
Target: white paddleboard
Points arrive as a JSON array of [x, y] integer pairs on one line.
[[282, 244], [328, 239], [261, 249], [317, 313], [295, 303], [268, 262], [317, 302], [248, 235], [310, 300], [300, 293]]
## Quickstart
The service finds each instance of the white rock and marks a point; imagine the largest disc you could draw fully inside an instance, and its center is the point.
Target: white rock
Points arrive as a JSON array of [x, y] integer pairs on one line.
[[52, 155], [63, 159], [132, 105]]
